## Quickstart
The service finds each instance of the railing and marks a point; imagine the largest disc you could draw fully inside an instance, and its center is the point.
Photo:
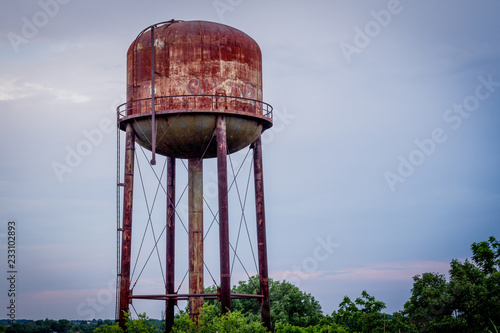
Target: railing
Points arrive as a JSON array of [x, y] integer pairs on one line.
[[196, 103]]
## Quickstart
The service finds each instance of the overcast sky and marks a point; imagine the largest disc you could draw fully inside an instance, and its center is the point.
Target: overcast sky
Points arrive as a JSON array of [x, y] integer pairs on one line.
[[382, 164]]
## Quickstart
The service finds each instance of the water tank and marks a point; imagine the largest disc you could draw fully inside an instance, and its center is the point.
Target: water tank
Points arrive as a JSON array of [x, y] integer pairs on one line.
[[196, 70]]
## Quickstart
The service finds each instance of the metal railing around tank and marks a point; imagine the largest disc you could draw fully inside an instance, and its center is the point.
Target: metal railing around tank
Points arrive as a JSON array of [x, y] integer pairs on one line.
[[196, 103]]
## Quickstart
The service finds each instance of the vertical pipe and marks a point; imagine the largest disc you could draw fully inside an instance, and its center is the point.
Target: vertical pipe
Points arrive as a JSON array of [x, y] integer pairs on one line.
[[119, 184], [225, 278], [195, 230], [127, 224], [261, 232], [170, 286], [153, 115]]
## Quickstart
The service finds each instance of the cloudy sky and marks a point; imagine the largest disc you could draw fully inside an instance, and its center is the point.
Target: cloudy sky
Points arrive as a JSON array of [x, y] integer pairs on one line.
[[382, 164]]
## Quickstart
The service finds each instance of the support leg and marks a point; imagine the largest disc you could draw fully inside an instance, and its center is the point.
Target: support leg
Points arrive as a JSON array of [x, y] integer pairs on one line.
[[261, 232], [127, 225], [170, 286]]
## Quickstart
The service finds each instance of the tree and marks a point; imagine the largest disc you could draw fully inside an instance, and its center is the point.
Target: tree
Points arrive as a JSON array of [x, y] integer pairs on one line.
[[486, 255], [475, 287], [109, 328], [289, 305], [61, 326], [140, 325], [469, 302], [362, 315], [211, 320], [429, 307]]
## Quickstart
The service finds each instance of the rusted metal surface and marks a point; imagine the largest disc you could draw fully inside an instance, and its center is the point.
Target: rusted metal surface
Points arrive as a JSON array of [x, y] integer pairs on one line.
[[225, 277], [218, 64], [184, 297], [153, 93], [195, 229], [194, 91], [229, 105], [261, 232], [174, 137], [127, 224], [170, 266], [195, 58]]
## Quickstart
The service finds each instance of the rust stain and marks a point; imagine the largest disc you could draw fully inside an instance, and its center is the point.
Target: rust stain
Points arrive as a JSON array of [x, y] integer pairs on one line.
[[219, 66]]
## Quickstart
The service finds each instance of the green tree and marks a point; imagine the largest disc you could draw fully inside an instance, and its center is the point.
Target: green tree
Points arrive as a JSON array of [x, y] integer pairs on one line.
[[62, 326], [362, 315], [475, 287], [429, 307], [289, 305], [320, 328], [486, 255], [140, 325], [400, 322], [347, 313], [469, 302], [109, 328], [211, 321]]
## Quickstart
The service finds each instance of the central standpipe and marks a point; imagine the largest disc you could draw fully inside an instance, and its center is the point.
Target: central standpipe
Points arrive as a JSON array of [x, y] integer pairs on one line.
[[195, 204]]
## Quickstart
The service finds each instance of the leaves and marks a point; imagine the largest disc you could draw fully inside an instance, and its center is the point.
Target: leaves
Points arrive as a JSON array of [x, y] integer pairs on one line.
[[362, 315], [289, 305], [486, 255], [469, 302]]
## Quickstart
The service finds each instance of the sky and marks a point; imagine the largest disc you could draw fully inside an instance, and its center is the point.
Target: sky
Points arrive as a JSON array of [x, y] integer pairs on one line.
[[382, 163]]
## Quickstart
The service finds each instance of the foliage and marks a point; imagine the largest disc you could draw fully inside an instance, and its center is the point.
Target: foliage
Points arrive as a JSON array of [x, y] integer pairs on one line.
[[494, 327], [212, 321], [182, 323], [63, 326], [289, 305], [141, 324], [429, 307], [331, 328], [469, 302], [109, 328], [362, 315], [475, 287]]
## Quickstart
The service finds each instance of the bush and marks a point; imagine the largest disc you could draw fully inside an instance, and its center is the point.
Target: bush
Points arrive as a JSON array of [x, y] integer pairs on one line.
[[321, 328], [139, 325], [212, 321]]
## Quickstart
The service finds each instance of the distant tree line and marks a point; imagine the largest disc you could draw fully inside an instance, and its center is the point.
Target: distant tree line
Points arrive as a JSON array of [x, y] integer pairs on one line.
[[469, 301]]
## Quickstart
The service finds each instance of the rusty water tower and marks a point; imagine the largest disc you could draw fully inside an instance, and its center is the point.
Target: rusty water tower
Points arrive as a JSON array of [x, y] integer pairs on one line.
[[194, 91]]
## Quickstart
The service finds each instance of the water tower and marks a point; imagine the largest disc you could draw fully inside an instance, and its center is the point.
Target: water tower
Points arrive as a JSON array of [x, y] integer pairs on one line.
[[194, 91]]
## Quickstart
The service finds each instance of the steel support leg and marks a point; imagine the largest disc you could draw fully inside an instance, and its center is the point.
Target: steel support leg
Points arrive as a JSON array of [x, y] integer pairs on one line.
[[225, 278], [127, 224], [195, 204], [170, 276], [261, 232]]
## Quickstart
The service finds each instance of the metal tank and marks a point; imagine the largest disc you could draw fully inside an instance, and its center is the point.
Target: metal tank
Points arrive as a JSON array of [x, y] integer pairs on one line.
[[194, 91], [199, 69]]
